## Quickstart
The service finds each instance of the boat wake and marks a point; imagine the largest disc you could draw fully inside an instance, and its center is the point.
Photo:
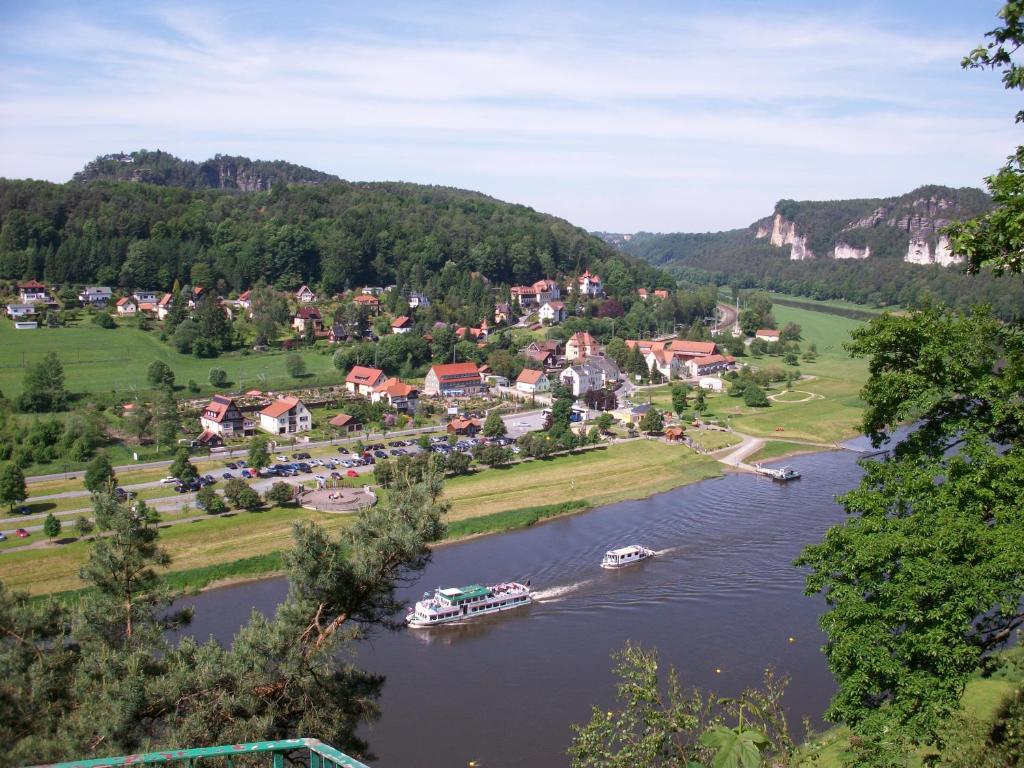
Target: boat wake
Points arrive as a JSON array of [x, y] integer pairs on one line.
[[668, 551], [553, 594]]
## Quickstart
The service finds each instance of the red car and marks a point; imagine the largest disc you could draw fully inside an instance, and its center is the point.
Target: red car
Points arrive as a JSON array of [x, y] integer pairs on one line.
[[352, 473], [21, 533]]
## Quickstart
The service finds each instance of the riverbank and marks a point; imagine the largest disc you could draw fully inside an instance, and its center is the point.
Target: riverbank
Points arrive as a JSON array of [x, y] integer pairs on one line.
[[238, 546]]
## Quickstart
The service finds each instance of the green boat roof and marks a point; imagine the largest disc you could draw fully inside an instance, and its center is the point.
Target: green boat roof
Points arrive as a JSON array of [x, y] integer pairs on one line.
[[458, 594]]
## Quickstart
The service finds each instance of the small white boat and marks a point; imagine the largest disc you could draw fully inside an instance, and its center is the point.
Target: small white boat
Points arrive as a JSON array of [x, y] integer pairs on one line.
[[620, 558], [461, 603], [781, 474]]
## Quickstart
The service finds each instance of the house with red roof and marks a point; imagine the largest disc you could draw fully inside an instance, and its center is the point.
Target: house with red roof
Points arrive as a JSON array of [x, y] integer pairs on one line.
[[662, 360], [32, 291], [362, 380], [661, 293], [286, 416], [127, 306], [702, 366], [401, 324], [688, 349], [307, 317], [588, 285], [454, 380], [581, 345], [223, 417], [552, 312], [532, 382], [367, 300], [768, 334], [163, 307], [346, 424], [402, 397], [467, 427]]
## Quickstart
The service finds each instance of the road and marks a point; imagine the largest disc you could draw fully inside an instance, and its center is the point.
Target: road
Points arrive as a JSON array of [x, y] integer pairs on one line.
[[727, 319]]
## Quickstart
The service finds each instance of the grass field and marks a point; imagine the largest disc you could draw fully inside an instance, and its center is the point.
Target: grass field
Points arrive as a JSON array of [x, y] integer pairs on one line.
[[632, 470], [625, 471], [97, 360]]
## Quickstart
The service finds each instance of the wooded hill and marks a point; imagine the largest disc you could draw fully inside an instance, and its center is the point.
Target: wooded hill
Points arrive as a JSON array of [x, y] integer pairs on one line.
[[338, 234], [886, 226]]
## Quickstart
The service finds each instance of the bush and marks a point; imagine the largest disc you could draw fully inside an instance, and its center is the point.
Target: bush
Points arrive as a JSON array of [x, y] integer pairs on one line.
[[218, 377], [280, 493], [295, 365], [104, 320], [755, 397]]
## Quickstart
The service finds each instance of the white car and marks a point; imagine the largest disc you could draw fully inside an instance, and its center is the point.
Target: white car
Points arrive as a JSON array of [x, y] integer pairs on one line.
[[282, 458], [169, 480]]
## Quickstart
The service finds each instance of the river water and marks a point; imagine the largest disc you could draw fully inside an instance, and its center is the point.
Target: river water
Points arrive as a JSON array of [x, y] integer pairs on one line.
[[720, 603]]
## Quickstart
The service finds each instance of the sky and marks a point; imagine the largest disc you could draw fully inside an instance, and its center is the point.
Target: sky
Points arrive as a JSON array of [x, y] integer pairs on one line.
[[653, 116]]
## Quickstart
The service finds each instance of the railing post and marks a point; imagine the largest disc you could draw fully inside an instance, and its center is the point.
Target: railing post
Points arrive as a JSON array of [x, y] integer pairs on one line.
[[315, 761], [278, 759]]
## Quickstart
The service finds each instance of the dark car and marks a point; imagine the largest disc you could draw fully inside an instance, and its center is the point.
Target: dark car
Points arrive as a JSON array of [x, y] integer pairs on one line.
[[227, 476], [343, 451], [231, 465], [241, 464], [380, 454], [301, 456], [304, 467], [246, 473], [335, 476]]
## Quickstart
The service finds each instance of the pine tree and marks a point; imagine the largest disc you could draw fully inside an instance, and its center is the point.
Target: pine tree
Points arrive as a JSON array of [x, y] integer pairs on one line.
[[99, 475]]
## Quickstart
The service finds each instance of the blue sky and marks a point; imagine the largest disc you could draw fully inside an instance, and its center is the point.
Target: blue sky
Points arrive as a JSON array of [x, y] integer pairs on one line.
[[658, 116]]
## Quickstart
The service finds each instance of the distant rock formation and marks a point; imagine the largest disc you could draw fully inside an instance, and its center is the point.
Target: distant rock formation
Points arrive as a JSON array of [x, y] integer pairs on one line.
[[783, 232]]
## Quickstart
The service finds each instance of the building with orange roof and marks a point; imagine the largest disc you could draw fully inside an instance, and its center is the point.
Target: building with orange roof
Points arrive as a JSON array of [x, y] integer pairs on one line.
[[454, 380], [400, 396], [531, 382], [581, 345], [362, 380], [286, 416]]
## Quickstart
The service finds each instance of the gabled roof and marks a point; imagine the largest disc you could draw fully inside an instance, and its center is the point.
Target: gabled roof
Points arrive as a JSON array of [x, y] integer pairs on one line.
[[529, 376], [713, 359], [343, 420], [401, 322], [361, 374], [394, 387], [308, 313], [31, 285], [165, 300], [366, 299], [766, 332], [244, 295], [304, 289], [555, 304], [459, 423], [582, 339], [124, 300], [686, 347], [217, 409], [280, 407], [456, 372]]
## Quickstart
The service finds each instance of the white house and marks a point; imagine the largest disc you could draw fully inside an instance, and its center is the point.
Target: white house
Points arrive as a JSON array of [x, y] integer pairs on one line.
[[547, 290], [362, 380], [532, 382], [701, 366], [767, 334], [580, 379], [401, 324], [664, 362], [16, 311], [712, 384], [145, 297], [127, 306], [402, 397], [32, 291], [552, 312], [589, 285], [97, 296], [304, 295], [286, 416], [163, 307], [418, 300]]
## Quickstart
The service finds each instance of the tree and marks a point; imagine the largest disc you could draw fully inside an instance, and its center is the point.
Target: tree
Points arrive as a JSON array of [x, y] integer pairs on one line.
[[755, 397], [659, 725], [104, 320], [457, 463], [12, 485], [679, 399], [51, 526], [83, 526], [44, 386], [700, 403], [790, 332], [159, 374], [652, 421], [926, 576], [99, 475], [211, 501], [269, 312], [494, 425], [218, 377], [605, 421], [182, 468], [280, 493], [492, 455], [241, 496], [168, 422], [295, 365], [259, 455]]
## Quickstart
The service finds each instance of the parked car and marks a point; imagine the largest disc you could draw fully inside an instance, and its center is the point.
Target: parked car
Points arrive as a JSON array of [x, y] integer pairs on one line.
[[21, 533], [227, 476], [3, 536], [246, 473], [380, 454], [231, 465], [23, 510], [282, 457], [301, 456], [335, 476], [397, 451], [304, 467], [241, 464], [342, 450], [169, 480], [352, 473]]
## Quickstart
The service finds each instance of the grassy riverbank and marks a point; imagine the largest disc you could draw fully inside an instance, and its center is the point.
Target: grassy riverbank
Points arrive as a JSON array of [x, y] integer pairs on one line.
[[244, 545]]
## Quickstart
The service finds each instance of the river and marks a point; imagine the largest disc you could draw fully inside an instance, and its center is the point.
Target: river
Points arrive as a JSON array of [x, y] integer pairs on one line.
[[720, 603]]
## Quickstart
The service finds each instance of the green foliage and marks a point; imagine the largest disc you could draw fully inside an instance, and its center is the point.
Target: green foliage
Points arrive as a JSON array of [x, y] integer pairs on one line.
[[99, 475], [755, 397], [83, 526], [159, 374], [12, 485], [660, 725], [168, 422], [44, 386], [218, 377], [182, 468], [212, 502], [457, 463], [51, 526], [258, 456], [679, 398], [104, 320], [924, 579], [241, 496], [492, 455], [605, 421], [295, 365], [494, 425], [652, 421], [280, 493]]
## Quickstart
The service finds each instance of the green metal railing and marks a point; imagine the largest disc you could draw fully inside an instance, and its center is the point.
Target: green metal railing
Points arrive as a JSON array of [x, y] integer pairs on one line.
[[317, 754]]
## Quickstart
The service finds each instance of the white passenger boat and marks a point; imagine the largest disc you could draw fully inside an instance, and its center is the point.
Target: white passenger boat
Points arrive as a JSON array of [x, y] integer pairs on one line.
[[460, 603], [781, 474], [620, 558]]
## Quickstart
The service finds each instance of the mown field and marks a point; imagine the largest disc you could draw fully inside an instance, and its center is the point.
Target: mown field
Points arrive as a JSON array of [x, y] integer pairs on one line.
[[632, 470], [99, 361]]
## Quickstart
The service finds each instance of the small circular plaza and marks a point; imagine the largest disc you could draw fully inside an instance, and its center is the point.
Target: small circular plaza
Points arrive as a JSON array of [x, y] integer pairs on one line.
[[338, 500]]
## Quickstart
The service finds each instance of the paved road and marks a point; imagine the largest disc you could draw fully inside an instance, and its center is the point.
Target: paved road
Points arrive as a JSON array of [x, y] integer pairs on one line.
[[727, 319]]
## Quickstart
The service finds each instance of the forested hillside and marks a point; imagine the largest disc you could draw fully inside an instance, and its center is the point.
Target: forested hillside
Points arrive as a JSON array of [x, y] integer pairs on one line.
[[876, 236], [339, 234], [220, 172]]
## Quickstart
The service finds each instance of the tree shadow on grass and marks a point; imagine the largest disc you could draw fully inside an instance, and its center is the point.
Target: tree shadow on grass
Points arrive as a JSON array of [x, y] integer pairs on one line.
[[38, 507]]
